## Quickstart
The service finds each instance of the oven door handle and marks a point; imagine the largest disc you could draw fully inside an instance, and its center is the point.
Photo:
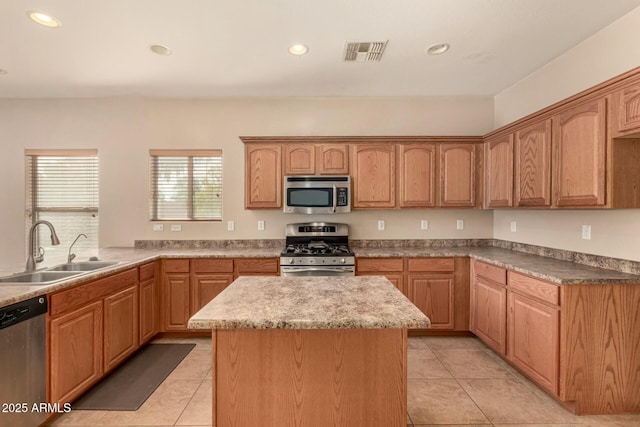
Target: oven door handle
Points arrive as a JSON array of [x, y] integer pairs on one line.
[[335, 198], [304, 270]]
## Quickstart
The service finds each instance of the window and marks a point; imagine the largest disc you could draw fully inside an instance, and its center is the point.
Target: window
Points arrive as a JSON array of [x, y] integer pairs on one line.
[[186, 185], [62, 188]]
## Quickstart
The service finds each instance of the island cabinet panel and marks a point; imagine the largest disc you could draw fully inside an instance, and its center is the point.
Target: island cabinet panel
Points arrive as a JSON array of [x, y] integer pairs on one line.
[[310, 377], [149, 296], [579, 147], [373, 171], [391, 268], [75, 352], [498, 157], [628, 108], [332, 159], [533, 165], [263, 176], [457, 175], [489, 305], [433, 295], [534, 342], [120, 326], [299, 159], [417, 175]]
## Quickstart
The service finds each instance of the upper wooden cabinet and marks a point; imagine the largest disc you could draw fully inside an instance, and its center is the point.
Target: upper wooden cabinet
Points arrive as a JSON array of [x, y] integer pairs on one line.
[[498, 157], [417, 175], [332, 159], [263, 176], [579, 150], [299, 159], [373, 169], [627, 103], [457, 175], [532, 146]]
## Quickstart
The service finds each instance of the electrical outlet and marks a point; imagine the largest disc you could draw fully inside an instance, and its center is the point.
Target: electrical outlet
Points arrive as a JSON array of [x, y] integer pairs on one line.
[[158, 227], [381, 224], [586, 232], [424, 224], [176, 227], [460, 224], [231, 225], [261, 225], [513, 226]]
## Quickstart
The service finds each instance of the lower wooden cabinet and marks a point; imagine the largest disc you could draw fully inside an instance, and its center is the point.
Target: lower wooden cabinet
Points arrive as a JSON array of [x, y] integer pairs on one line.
[[206, 287], [120, 326], [75, 352], [391, 268], [433, 295], [489, 313], [149, 297], [176, 303]]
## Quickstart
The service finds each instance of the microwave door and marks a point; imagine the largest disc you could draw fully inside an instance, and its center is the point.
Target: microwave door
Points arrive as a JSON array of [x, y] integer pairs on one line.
[[335, 199]]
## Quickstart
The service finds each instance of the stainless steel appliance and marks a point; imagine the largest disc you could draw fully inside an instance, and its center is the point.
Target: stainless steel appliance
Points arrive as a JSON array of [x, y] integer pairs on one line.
[[23, 373], [317, 249], [317, 194]]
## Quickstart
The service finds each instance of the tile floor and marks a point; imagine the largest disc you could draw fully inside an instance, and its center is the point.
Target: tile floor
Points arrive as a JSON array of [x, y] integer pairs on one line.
[[453, 381]]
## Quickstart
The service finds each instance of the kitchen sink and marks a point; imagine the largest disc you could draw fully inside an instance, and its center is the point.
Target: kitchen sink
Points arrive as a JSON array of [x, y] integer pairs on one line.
[[82, 266], [37, 277]]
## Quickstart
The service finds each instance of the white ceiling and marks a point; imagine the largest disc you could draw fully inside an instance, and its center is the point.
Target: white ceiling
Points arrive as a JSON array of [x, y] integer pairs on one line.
[[239, 48]]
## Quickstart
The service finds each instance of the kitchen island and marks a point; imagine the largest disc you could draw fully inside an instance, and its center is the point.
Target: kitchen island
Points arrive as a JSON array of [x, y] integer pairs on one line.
[[312, 351]]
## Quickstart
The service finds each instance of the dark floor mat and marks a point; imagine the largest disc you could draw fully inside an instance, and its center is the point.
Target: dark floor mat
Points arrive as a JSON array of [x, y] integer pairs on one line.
[[127, 388]]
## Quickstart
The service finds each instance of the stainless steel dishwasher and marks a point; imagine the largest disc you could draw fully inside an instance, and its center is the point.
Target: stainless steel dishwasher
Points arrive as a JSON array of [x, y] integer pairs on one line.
[[22, 362]]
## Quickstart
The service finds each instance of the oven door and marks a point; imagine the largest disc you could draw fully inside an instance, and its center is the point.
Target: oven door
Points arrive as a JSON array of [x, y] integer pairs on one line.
[[301, 271]]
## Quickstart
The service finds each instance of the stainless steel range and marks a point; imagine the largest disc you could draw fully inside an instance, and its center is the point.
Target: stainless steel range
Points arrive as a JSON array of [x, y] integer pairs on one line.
[[317, 249]]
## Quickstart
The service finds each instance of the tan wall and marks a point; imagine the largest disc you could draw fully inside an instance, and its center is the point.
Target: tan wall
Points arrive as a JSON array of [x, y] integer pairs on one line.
[[124, 129]]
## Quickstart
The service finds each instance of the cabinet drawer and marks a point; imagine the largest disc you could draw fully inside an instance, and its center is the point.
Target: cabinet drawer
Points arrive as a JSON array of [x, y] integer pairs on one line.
[[81, 295], [176, 265], [212, 265], [147, 271], [257, 265], [544, 291], [378, 264], [430, 264], [491, 272]]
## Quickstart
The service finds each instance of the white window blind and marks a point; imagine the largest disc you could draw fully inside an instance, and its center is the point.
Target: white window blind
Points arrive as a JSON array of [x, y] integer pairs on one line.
[[186, 185], [62, 188]]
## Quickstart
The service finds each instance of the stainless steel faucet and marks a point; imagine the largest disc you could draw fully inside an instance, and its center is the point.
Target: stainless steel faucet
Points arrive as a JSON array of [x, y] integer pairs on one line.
[[71, 256], [32, 260]]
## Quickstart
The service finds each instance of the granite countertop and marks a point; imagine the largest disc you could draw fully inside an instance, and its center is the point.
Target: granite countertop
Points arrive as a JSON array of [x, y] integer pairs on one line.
[[544, 268], [369, 302]]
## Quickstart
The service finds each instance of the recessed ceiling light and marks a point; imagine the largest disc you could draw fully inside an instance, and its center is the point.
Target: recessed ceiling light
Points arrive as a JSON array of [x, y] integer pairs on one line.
[[3, 72], [438, 49], [298, 49], [160, 49], [43, 19]]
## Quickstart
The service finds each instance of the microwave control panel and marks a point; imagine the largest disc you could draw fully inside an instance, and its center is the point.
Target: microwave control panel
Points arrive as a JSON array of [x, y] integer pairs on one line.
[[343, 196]]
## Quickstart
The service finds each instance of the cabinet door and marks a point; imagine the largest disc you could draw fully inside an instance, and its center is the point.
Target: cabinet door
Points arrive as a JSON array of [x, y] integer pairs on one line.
[[263, 176], [149, 309], [176, 301], [579, 143], [499, 172], [489, 312], [629, 108], [457, 175], [433, 295], [534, 342], [206, 287], [75, 341], [120, 326], [374, 175], [332, 159], [533, 165], [417, 175], [299, 159]]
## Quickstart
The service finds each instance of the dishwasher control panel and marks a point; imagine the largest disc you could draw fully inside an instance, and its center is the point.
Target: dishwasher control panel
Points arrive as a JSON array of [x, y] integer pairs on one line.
[[22, 311]]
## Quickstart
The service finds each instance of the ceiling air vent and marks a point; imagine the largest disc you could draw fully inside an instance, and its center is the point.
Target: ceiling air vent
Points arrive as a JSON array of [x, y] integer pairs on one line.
[[364, 51]]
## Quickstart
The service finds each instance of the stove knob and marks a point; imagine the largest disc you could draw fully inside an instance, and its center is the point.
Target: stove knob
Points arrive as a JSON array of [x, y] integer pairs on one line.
[[291, 261], [342, 261]]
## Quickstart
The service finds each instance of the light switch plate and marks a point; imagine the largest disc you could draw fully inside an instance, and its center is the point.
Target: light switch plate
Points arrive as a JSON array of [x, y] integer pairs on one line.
[[424, 224], [261, 225], [586, 232], [176, 227], [460, 224], [381, 224], [513, 226], [231, 225], [158, 227]]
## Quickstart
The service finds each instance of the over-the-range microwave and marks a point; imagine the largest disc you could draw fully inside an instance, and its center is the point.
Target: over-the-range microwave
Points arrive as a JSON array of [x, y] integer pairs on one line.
[[317, 194]]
